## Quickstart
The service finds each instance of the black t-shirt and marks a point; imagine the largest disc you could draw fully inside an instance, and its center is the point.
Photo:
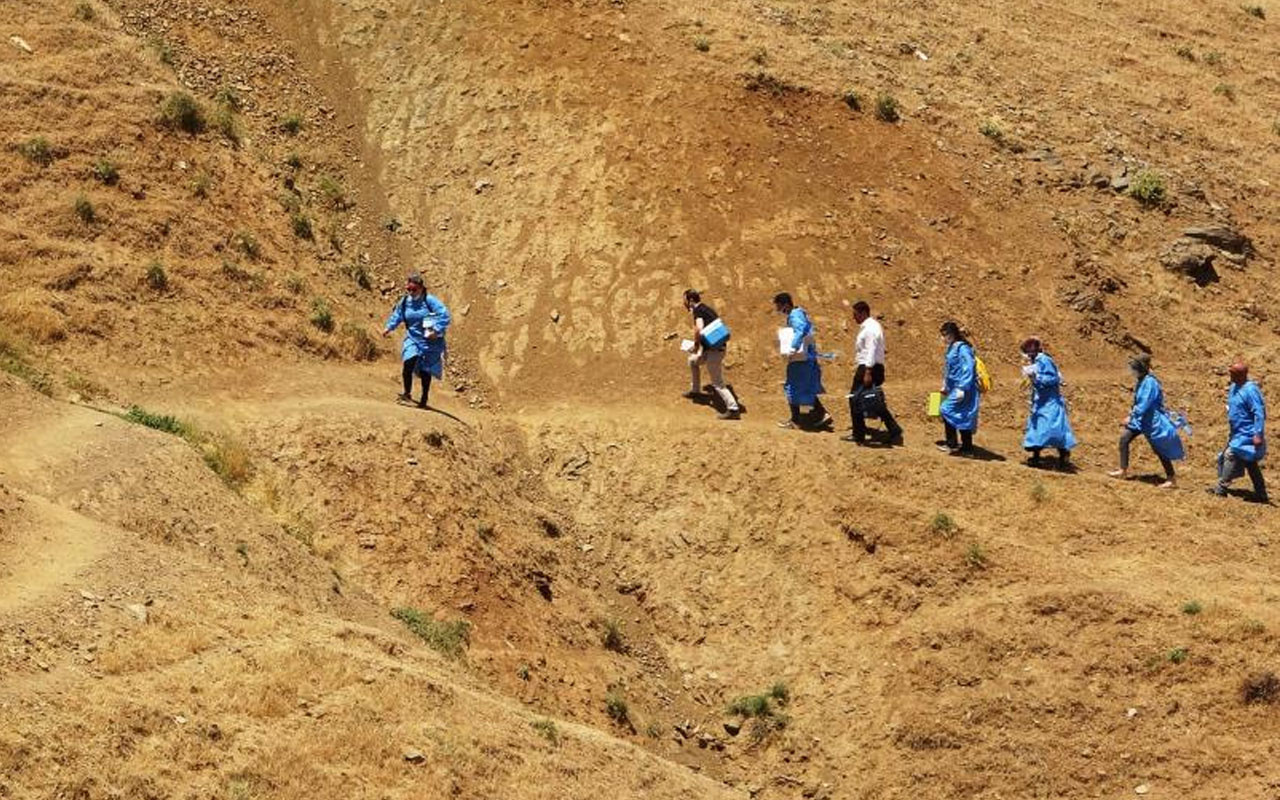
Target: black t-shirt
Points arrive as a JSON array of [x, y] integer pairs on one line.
[[708, 315]]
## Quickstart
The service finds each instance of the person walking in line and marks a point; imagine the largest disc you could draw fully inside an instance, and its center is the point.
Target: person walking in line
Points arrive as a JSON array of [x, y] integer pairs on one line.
[[1247, 445], [1149, 418], [960, 403], [1047, 424], [425, 319], [868, 377], [710, 354], [804, 375]]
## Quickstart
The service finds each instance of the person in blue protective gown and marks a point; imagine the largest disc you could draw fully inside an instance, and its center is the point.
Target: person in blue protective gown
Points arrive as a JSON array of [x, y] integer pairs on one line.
[[803, 383], [1247, 445], [425, 319], [960, 401], [1047, 424], [1148, 418]]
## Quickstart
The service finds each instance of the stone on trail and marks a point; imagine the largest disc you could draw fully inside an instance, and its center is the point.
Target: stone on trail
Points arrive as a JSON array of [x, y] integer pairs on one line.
[[1221, 237], [414, 756]]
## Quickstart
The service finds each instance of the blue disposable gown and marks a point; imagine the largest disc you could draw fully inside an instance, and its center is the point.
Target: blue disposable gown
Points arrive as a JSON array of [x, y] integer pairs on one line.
[[1247, 416], [960, 374], [419, 315], [1047, 424], [1149, 417], [804, 376]]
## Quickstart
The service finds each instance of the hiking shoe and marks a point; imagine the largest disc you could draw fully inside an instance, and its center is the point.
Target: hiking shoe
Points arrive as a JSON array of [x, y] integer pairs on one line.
[[691, 395], [895, 439], [827, 421], [787, 424], [853, 439], [1216, 492], [734, 414], [404, 399], [946, 448]]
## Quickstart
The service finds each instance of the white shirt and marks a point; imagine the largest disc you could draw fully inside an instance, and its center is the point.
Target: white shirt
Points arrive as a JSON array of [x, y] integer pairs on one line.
[[870, 343]]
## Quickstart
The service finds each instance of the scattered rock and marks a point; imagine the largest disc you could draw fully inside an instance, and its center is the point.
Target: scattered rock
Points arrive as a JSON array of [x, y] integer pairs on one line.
[[733, 728], [21, 44], [555, 315], [1141, 788], [1221, 237], [414, 756], [1192, 259], [1120, 180], [137, 610], [481, 185], [541, 582]]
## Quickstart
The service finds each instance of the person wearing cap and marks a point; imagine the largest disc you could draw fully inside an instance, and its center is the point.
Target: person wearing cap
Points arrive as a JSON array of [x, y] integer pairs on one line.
[[1148, 418], [803, 383], [868, 375], [1047, 424], [425, 319], [1247, 445], [706, 353]]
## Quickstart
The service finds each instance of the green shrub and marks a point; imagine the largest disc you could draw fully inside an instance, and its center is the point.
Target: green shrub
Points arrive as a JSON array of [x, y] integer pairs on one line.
[[1255, 11], [853, 100], [992, 130], [547, 730], [1225, 90], [85, 13], [611, 636], [702, 44], [301, 225], [13, 361], [163, 50], [156, 278], [1178, 655], [291, 124], [450, 638], [247, 243], [1184, 51], [84, 210], [1214, 58], [229, 98], [164, 423], [201, 184], [1148, 189], [293, 161], [358, 273], [761, 705], [943, 524], [1192, 607], [225, 122], [37, 150], [181, 111], [105, 170], [333, 192], [321, 315], [976, 557], [887, 109], [615, 705]]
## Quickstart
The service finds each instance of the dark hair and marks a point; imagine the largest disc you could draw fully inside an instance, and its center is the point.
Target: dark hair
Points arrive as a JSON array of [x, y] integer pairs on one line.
[[692, 294], [1141, 362], [952, 328], [862, 308], [782, 299]]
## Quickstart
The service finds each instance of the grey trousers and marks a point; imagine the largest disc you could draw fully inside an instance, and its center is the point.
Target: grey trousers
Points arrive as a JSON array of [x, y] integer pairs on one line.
[[1231, 466], [714, 359]]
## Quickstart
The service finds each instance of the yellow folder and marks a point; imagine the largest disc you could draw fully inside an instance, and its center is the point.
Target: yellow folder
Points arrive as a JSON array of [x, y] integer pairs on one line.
[[935, 404]]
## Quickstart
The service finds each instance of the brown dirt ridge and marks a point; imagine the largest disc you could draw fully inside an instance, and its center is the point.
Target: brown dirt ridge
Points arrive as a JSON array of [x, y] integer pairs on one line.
[[232, 567]]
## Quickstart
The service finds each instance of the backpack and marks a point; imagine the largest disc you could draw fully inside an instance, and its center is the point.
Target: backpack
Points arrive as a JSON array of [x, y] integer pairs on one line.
[[982, 374]]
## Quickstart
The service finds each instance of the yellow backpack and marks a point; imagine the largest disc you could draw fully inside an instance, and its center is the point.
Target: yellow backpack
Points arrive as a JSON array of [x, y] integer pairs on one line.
[[984, 376]]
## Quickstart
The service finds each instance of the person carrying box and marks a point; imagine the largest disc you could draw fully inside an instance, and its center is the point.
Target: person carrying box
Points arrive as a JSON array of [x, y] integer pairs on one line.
[[710, 341]]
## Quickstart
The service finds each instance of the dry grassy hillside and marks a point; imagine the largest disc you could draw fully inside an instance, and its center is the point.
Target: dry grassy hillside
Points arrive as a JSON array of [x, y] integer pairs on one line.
[[231, 568]]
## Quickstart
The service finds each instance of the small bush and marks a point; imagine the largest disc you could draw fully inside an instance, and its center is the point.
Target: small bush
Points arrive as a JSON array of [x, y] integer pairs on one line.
[[85, 13], [615, 705], [105, 170], [37, 150], [992, 130], [976, 557], [84, 210], [762, 81], [1255, 11], [291, 124], [450, 638], [360, 275], [156, 278], [853, 100], [1225, 90], [229, 460], [229, 98], [293, 161], [1253, 627], [523, 672], [611, 636], [1263, 687], [943, 524], [14, 362], [702, 44], [1039, 492], [1192, 607], [163, 50], [225, 123], [761, 705], [247, 243], [1184, 51], [295, 284], [321, 315], [180, 111], [86, 387], [201, 184], [358, 344], [165, 423], [301, 225], [1178, 655], [887, 109], [233, 271], [1148, 189], [333, 192], [547, 730], [1214, 58], [759, 56]]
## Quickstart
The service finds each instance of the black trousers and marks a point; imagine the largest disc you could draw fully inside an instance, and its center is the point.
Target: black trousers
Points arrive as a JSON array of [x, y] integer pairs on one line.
[[949, 433], [410, 367], [1126, 439], [855, 411]]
